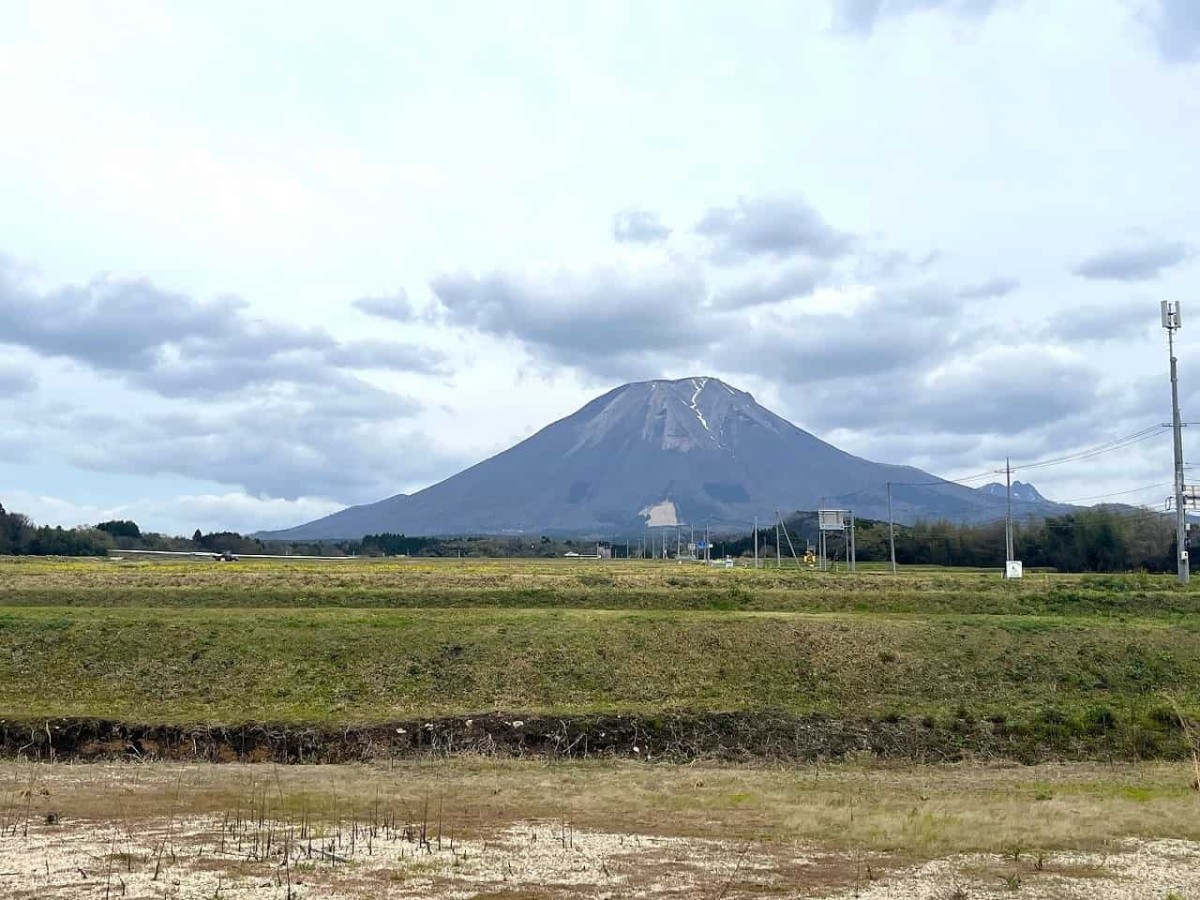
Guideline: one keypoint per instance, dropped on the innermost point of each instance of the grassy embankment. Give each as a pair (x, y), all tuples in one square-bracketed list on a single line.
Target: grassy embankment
[(335, 643)]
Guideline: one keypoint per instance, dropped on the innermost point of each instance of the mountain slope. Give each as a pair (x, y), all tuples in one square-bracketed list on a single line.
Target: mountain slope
[(659, 453)]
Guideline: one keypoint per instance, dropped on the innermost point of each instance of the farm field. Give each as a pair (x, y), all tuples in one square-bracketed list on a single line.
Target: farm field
[(553, 729), (582, 584)]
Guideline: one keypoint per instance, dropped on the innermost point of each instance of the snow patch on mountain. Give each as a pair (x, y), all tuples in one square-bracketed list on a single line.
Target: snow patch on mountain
[(700, 383)]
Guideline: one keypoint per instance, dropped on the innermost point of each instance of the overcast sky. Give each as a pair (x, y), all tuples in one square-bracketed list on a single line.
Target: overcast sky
[(261, 261)]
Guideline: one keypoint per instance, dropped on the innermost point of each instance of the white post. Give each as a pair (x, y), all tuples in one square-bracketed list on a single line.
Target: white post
[(891, 529), (1008, 532)]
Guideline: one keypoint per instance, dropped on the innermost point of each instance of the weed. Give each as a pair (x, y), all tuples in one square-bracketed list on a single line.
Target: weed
[(1014, 851)]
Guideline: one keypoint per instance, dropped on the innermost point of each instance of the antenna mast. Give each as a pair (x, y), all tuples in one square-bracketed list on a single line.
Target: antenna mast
[(1172, 321)]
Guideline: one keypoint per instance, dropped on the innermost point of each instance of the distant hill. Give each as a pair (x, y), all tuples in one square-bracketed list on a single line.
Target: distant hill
[(689, 451)]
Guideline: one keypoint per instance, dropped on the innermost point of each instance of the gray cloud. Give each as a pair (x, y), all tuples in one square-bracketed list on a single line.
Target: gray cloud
[(1010, 392), (1023, 392), (828, 348), (1101, 323), (861, 16), (113, 325), (904, 330), (1175, 25), (985, 290), (602, 322), (396, 307), (15, 380), (273, 408), (176, 345), (345, 440), (616, 324), (796, 281), (376, 354), (318, 446), (894, 263), (1134, 263), (639, 226), (776, 227)]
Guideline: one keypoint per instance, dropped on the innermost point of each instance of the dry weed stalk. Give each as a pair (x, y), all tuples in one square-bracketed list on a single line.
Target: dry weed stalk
[(1191, 736)]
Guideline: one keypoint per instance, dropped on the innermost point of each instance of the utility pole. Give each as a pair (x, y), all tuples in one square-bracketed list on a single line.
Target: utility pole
[(778, 555), (707, 545), (852, 546), (1008, 533), (756, 542), (891, 529), (1171, 321)]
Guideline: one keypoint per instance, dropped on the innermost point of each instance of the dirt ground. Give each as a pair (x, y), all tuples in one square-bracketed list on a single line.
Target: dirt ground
[(204, 858), (466, 829)]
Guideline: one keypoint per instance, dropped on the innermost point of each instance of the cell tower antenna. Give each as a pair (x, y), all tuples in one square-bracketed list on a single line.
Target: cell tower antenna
[(1172, 321)]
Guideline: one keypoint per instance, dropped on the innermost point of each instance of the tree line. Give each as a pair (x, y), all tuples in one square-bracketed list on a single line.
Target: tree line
[(19, 536), (1099, 539)]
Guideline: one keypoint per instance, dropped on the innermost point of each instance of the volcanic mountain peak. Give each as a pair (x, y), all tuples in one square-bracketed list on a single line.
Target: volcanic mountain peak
[(691, 450), (683, 415)]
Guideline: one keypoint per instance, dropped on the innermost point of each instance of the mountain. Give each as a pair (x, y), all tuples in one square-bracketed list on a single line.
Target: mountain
[(659, 452), (1025, 493)]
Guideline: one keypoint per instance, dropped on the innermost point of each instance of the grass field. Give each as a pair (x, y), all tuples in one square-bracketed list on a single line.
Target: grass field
[(1053, 657), (584, 584)]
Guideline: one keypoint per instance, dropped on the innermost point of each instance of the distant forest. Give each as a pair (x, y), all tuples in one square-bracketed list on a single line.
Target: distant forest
[(1102, 539)]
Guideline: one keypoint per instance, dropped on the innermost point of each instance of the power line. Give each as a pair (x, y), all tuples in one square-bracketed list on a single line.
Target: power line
[(1109, 446), (1136, 490), (1117, 444), (990, 473), (1131, 514)]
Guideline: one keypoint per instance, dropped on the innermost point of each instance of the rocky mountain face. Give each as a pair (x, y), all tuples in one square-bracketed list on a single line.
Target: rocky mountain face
[(1021, 492), (684, 452)]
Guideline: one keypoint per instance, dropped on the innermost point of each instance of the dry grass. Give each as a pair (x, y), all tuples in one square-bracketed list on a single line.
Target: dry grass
[(922, 811), (471, 827), (595, 584)]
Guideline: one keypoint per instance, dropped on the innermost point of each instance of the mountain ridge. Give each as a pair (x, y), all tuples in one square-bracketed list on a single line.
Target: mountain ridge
[(659, 452)]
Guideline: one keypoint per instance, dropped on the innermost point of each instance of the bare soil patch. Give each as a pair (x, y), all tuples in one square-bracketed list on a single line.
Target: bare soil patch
[(465, 828), (209, 857)]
